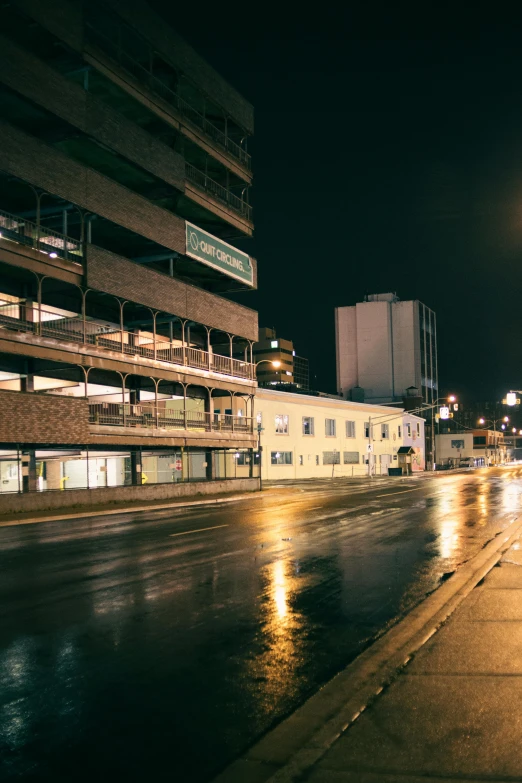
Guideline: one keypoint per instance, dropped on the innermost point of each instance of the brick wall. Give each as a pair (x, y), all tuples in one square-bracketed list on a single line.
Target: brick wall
[(116, 275), (38, 418), (26, 157), (35, 80), (63, 18), (175, 50)]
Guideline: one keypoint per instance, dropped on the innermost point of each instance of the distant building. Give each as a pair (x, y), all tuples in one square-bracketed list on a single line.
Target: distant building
[(477, 447), (469, 413), (291, 370), (383, 347)]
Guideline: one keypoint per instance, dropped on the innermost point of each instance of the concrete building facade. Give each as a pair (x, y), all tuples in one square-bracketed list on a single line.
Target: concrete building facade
[(304, 436), (124, 181), (383, 347)]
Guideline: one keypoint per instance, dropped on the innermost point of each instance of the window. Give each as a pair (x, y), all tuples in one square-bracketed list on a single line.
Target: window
[(281, 457), (385, 431), (300, 459), (351, 457), (242, 458), (418, 428), (317, 459), (366, 429), (479, 440), (281, 424), (408, 430), (331, 457), (273, 343), (329, 428), (350, 429), (399, 431), (308, 425)]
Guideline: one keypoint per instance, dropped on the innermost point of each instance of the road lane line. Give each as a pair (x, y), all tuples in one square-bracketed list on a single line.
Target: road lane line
[(402, 492), (200, 530)]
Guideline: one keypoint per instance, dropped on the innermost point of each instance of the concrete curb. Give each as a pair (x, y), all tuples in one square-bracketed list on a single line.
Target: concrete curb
[(121, 510), (289, 750)]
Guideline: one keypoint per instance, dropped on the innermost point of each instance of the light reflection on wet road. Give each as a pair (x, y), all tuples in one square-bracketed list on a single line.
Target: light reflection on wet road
[(129, 651)]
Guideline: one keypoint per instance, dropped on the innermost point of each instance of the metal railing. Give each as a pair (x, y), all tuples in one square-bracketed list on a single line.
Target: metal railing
[(149, 416), (24, 232), (219, 192), (28, 317), (155, 84)]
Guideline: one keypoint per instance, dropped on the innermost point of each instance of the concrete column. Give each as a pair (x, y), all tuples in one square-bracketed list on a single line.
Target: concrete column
[(29, 481), (210, 465), (53, 471), (135, 468), (27, 383)]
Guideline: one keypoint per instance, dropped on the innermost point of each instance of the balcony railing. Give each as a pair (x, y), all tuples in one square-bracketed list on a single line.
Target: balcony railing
[(40, 238), (28, 318), (149, 416), (219, 192), (155, 84)]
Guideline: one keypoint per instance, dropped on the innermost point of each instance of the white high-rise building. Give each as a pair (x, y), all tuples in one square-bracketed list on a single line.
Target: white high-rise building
[(384, 347)]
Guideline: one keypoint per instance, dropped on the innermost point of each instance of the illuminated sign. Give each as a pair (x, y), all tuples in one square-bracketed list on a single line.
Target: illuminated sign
[(444, 412), (511, 398), (220, 255)]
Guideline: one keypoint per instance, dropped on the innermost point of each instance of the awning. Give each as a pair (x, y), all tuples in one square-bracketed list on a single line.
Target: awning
[(406, 450)]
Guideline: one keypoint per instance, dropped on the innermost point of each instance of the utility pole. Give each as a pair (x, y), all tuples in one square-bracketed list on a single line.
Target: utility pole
[(260, 450)]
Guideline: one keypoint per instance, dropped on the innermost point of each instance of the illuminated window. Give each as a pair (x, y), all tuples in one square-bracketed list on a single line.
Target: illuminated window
[(281, 424), (308, 425), (274, 343), (281, 457)]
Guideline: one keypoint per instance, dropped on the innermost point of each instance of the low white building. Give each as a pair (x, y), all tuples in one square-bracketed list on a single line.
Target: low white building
[(475, 447), (303, 436)]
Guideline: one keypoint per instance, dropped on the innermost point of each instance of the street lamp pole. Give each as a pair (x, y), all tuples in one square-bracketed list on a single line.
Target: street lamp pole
[(276, 363), (390, 417), (483, 421)]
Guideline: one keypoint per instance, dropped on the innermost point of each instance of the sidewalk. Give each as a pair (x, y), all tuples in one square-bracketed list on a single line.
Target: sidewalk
[(455, 711), (110, 509), (438, 698)]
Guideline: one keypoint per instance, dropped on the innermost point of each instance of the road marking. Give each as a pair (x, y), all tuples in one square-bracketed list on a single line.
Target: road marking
[(200, 530), (402, 492)]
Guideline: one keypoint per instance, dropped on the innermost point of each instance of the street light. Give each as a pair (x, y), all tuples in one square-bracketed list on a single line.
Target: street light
[(504, 419), (451, 398), (275, 363)]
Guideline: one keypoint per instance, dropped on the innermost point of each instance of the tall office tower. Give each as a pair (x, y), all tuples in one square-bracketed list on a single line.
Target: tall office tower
[(384, 347)]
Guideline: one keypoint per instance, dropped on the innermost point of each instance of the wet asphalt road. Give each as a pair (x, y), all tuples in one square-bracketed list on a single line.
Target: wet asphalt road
[(155, 646)]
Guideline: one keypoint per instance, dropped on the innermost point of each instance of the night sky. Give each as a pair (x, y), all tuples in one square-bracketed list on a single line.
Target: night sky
[(387, 157)]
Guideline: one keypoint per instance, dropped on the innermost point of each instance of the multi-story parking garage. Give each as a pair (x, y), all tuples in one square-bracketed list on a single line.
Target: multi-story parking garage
[(124, 182)]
